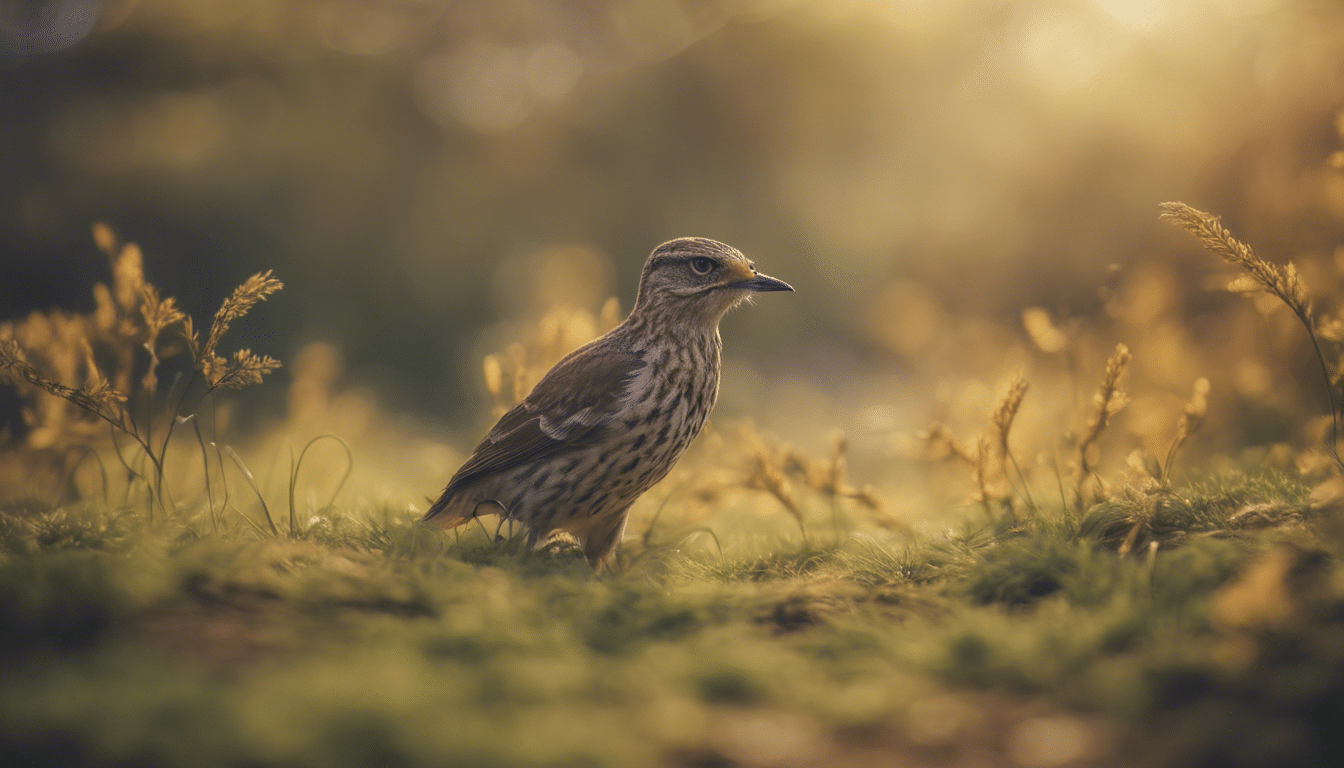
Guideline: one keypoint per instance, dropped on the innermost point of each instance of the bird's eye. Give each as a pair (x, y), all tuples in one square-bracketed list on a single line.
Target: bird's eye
[(702, 265)]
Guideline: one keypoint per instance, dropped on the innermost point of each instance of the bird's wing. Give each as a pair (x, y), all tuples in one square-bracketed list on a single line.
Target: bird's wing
[(569, 407)]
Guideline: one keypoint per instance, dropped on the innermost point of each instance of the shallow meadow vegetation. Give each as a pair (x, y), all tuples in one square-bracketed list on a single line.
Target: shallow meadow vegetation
[(167, 598), (1033, 470)]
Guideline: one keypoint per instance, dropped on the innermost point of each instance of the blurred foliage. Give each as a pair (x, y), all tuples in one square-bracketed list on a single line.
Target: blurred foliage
[(924, 172), (965, 194)]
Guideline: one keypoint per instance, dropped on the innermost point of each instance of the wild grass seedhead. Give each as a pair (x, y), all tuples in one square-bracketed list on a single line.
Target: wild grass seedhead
[(766, 473), (98, 399), (128, 277), (51, 358), (245, 367), (610, 315), (104, 238), (1280, 281), (939, 443), (797, 480), (494, 376), (1192, 418), (511, 373), (159, 314), (1006, 411), (1109, 398), (1002, 420), (1108, 401), (830, 478)]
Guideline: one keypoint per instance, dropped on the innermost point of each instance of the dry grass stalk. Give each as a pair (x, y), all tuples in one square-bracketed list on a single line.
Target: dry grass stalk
[(1108, 401), (98, 397), (1191, 420), (1002, 419), (939, 443), (830, 477), (118, 317), (979, 470), (246, 368), (494, 375), (104, 237), (767, 474), (778, 468), (1006, 412), (511, 374), (51, 359), (1283, 282), (1280, 281), (159, 314), (57, 349), (610, 315), (836, 481)]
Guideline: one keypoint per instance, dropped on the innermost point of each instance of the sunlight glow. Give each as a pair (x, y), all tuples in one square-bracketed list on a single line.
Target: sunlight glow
[(1062, 50), (1140, 14)]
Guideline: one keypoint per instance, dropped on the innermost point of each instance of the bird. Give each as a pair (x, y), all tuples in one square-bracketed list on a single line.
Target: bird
[(611, 419)]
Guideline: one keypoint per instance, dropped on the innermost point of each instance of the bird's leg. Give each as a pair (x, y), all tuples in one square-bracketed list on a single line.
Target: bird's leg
[(599, 546), (477, 520), (503, 515)]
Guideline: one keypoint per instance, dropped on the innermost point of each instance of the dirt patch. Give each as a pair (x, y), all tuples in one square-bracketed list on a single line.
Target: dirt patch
[(227, 635)]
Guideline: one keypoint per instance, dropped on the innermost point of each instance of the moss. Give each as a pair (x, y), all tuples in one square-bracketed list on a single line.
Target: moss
[(370, 640)]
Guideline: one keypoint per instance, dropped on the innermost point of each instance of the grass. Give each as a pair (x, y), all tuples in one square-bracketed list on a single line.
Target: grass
[(372, 640), (1129, 621)]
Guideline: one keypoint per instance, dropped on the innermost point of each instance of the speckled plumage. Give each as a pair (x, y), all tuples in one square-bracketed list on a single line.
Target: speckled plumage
[(612, 418)]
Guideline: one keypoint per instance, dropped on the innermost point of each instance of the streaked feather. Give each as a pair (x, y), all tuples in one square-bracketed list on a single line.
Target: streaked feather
[(569, 408)]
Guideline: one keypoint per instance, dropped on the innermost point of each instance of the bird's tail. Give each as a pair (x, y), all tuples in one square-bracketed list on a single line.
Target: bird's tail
[(447, 512)]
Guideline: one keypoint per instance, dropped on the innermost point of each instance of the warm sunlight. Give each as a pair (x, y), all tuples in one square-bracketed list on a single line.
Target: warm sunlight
[(980, 406)]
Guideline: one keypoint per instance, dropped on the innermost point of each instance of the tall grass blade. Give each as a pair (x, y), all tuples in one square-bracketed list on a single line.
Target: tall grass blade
[(295, 467), (205, 467), (252, 481), (70, 475)]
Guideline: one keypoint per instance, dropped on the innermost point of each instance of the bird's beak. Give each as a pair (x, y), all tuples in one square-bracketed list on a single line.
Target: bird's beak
[(761, 284)]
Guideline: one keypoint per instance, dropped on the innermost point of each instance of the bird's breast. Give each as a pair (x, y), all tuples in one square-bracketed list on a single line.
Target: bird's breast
[(673, 371), (670, 398)]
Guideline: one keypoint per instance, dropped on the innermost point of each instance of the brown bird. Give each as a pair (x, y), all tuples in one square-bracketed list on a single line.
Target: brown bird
[(611, 418)]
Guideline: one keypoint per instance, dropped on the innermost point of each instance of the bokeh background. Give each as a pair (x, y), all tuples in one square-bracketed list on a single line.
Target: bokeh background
[(430, 179)]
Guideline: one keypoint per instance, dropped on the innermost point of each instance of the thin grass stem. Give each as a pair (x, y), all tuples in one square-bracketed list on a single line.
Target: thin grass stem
[(247, 474), (205, 467), (296, 467), (70, 475)]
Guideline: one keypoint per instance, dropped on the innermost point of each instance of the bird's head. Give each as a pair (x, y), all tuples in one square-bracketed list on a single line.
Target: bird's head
[(698, 280)]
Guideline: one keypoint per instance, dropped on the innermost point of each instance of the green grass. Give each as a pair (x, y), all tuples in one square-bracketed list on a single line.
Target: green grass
[(370, 640)]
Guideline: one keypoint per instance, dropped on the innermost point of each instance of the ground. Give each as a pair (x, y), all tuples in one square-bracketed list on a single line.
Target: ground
[(1027, 639)]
